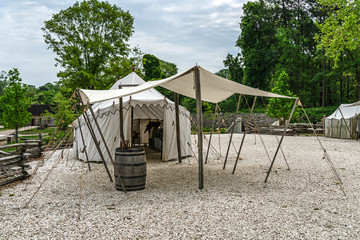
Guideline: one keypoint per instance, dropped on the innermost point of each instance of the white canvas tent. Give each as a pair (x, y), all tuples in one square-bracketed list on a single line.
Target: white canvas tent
[(196, 83), (138, 110), (345, 118)]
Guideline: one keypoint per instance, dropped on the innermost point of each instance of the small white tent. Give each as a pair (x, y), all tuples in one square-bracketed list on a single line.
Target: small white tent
[(345, 118), (138, 111)]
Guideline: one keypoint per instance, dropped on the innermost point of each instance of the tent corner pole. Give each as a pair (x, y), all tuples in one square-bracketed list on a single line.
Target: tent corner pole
[(93, 136), (177, 119), (282, 137), (200, 126)]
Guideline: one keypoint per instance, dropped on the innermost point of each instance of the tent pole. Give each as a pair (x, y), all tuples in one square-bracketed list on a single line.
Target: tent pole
[(342, 115), (82, 136), (107, 148), (200, 126), (121, 119), (232, 131), (92, 133), (177, 113), (212, 130), (282, 137), (219, 132), (242, 141)]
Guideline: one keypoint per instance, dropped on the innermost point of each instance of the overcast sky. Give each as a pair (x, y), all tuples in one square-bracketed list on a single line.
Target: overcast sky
[(182, 32)]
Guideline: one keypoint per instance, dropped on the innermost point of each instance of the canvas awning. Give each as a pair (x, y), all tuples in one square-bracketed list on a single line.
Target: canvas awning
[(213, 88)]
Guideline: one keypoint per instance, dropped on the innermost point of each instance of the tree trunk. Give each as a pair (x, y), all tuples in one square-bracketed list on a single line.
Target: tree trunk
[(16, 134)]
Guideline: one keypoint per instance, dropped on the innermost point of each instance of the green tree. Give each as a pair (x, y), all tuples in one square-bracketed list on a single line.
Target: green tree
[(152, 67), (340, 32), (280, 108), (88, 38), (257, 42), (13, 103), (4, 82)]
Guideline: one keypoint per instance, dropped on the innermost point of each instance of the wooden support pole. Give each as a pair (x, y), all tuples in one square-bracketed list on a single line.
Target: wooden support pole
[(212, 130), (200, 126), (242, 141), (232, 132), (121, 113), (92, 133), (281, 139), (82, 137), (107, 148), (177, 113)]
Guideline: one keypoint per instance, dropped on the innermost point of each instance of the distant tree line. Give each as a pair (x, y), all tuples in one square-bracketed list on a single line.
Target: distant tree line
[(316, 43), (304, 48)]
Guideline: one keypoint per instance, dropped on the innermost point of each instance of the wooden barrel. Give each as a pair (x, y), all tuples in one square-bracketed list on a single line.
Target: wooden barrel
[(131, 165)]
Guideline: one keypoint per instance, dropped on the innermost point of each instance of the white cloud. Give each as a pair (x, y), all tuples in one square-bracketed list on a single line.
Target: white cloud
[(183, 32)]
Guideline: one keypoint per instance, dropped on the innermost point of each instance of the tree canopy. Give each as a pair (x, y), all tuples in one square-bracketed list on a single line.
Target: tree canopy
[(13, 104), (90, 40)]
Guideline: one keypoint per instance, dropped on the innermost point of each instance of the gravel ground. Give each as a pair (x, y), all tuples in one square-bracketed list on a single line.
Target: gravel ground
[(302, 203)]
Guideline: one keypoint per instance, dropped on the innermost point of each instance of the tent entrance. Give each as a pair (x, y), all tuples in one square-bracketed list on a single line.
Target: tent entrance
[(147, 132)]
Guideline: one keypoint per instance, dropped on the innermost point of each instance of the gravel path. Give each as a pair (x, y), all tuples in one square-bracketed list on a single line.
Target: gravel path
[(303, 203)]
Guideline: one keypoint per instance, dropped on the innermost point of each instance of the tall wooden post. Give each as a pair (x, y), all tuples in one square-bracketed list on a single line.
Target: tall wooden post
[(200, 126), (177, 112), (282, 137), (93, 135), (121, 119)]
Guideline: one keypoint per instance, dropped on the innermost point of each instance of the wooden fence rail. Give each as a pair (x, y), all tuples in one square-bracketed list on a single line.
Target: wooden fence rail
[(14, 165)]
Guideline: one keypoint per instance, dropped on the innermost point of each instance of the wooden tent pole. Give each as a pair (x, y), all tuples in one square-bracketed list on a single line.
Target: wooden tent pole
[(242, 141), (282, 137), (232, 132), (121, 119), (177, 119), (200, 126), (219, 124), (212, 130), (107, 148), (93, 136), (82, 136)]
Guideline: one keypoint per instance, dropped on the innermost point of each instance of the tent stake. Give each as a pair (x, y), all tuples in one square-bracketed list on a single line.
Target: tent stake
[(92, 133), (232, 131), (282, 137), (212, 130), (242, 141), (200, 126), (177, 119), (107, 148), (82, 137)]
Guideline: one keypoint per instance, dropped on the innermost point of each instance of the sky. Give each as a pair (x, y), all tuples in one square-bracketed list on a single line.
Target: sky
[(183, 32)]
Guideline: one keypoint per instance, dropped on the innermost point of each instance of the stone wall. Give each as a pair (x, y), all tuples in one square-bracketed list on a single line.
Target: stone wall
[(261, 119)]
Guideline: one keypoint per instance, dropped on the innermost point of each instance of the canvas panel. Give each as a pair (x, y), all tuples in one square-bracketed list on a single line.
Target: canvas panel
[(213, 88)]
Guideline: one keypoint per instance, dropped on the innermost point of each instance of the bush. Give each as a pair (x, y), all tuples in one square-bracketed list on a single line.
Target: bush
[(315, 114)]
